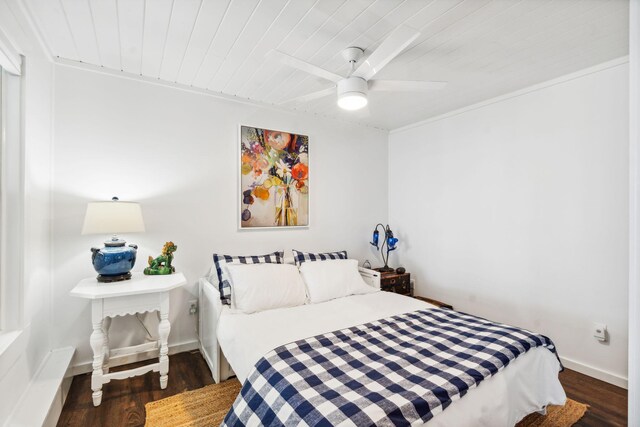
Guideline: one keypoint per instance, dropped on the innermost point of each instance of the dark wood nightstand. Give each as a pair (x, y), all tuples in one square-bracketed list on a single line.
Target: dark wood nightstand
[(434, 302), (398, 283)]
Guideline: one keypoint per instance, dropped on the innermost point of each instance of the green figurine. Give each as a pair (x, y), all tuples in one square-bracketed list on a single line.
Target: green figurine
[(162, 264)]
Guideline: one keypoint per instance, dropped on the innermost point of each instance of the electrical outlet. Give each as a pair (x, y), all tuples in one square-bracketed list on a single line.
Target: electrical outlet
[(600, 331), (193, 306)]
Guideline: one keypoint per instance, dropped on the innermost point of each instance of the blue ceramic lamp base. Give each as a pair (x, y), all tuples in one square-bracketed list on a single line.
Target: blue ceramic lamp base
[(114, 261)]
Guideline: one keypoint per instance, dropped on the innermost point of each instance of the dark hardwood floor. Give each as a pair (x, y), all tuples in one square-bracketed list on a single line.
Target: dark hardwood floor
[(608, 403), (123, 401)]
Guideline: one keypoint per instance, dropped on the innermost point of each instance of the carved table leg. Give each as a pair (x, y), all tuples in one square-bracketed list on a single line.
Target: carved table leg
[(106, 324), (164, 327), (97, 345)]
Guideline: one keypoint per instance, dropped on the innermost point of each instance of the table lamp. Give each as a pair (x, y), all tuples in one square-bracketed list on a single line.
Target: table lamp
[(115, 260), (389, 242)]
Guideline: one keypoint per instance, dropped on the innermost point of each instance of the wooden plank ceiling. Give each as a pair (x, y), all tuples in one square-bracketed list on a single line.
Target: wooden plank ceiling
[(484, 48)]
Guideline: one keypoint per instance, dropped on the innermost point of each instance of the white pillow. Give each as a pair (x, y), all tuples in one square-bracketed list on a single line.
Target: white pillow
[(259, 287), (332, 279)]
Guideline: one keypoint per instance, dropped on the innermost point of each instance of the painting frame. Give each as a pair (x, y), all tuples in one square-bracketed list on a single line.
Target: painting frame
[(239, 193)]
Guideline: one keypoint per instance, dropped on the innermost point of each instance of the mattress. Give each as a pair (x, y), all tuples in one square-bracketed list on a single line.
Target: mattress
[(527, 385)]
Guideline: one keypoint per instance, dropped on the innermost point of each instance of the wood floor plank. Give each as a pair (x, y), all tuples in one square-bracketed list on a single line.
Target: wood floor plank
[(123, 401), (608, 403)]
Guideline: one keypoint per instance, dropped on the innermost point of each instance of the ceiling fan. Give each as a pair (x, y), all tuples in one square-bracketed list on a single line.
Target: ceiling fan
[(352, 90)]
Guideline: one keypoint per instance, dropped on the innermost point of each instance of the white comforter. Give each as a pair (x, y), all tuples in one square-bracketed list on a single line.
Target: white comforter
[(527, 385)]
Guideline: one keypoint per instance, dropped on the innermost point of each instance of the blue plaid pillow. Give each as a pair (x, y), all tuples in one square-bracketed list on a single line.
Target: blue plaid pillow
[(299, 257), (224, 285)]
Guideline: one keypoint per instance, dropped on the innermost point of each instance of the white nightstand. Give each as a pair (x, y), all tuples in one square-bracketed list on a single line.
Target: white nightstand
[(140, 294)]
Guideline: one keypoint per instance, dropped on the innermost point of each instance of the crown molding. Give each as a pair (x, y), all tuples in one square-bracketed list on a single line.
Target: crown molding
[(192, 89), (520, 92)]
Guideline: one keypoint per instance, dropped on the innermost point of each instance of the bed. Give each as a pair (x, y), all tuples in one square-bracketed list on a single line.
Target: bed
[(232, 343)]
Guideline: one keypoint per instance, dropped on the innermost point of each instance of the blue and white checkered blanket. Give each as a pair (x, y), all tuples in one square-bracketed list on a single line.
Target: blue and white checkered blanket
[(400, 370)]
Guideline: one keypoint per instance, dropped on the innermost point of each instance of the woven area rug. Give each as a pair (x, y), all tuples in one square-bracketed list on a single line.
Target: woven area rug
[(207, 406), (560, 416)]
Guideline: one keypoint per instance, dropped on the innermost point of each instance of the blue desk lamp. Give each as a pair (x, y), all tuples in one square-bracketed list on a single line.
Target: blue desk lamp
[(389, 242)]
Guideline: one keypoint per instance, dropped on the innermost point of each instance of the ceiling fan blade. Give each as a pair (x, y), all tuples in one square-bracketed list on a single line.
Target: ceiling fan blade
[(391, 47), (405, 85), (306, 66), (311, 96)]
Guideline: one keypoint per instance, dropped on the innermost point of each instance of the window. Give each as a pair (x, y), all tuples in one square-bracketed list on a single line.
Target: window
[(11, 201)]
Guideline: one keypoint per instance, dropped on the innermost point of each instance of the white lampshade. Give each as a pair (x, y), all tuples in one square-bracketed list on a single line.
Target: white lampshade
[(113, 217)]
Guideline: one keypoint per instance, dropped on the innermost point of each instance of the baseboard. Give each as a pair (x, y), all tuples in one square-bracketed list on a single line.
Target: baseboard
[(84, 367), (596, 373)]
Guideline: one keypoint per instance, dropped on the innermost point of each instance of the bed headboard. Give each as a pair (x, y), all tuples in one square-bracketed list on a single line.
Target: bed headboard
[(370, 276)]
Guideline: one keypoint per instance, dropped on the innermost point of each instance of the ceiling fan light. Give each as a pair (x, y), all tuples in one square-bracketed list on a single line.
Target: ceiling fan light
[(352, 93), (352, 101)]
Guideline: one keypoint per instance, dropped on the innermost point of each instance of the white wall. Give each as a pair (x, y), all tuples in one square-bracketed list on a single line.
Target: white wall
[(176, 153), (517, 211), (20, 362)]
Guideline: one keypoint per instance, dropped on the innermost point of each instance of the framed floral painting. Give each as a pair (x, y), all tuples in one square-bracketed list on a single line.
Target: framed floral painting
[(274, 178)]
